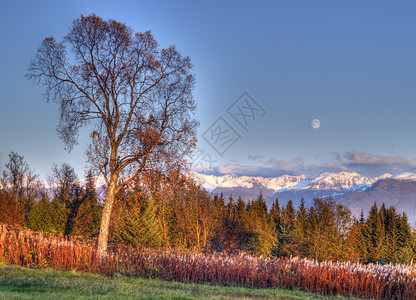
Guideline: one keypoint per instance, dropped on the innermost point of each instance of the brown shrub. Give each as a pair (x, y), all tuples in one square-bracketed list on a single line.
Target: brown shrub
[(29, 248)]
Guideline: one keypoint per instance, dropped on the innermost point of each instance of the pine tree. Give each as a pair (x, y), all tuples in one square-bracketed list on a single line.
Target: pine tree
[(87, 219), (48, 216), (274, 214), (230, 213), (240, 207), (259, 205), (391, 247), (139, 225), (220, 213), (285, 230), (230, 206), (262, 236), (405, 254), (300, 237), (363, 245), (230, 236), (362, 218), (328, 224), (375, 234), (322, 231), (312, 228), (289, 215), (242, 236), (353, 250), (383, 212)]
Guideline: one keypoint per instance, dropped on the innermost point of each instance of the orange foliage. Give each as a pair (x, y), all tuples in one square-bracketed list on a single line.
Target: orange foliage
[(10, 210), (33, 249)]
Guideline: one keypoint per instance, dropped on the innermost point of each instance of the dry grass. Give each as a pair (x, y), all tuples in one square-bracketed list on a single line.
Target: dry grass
[(33, 249)]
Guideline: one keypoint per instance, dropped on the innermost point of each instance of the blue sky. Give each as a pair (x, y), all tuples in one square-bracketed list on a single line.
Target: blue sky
[(350, 64)]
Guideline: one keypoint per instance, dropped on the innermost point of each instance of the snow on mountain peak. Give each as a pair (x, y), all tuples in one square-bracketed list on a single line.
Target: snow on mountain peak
[(340, 181), (405, 176), (325, 181), (211, 182)]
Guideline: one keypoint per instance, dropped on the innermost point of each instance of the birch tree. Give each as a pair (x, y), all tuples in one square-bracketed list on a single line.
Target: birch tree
[(136, 97)]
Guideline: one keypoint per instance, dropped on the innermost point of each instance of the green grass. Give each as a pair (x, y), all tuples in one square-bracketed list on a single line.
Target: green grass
[(22, 283)]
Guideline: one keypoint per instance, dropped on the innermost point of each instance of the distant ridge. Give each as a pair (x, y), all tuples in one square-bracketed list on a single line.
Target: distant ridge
[(326, 181), (348, 188)]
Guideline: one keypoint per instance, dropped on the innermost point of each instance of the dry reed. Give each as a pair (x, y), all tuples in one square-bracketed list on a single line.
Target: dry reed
[(33, 249)]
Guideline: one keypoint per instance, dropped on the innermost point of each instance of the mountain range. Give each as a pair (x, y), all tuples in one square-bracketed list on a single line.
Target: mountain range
[(347, 188)]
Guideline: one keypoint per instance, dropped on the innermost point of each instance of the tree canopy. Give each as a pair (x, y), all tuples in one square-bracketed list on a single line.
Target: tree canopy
[(135, 95)]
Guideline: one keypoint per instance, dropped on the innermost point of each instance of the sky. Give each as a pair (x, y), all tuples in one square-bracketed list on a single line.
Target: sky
[(264, 70)]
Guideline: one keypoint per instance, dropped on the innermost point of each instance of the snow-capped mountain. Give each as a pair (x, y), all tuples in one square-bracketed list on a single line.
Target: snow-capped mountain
[(211, 182), (405, 176), (348, 188), (349, 181), (344, 181)]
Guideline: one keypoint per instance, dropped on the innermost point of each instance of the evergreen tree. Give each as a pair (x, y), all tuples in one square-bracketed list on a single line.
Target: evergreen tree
[(230, 223), (300, 237), (220, 214), (285, 231), (322, 242), (391, 246), (363, 238), (241, 233), (375, 235), (362, 218), (274, 214), (139, 225), (354, 251), (383, 212), (327, 230), (230, 205), (404, 238), (259, 229), (289, 215), (259, 205), (312, 228), (240, 208), (87, 219), (48, 216)]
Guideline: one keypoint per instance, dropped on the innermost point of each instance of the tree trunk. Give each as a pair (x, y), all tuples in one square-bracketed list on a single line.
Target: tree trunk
[(105, 219)]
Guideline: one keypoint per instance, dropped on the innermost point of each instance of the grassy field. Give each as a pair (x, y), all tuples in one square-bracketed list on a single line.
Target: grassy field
[(22, 283)]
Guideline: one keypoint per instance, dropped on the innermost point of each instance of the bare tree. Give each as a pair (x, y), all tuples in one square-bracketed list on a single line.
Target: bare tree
[(21, 181), (14, 175), (63, 181), (137, 96)]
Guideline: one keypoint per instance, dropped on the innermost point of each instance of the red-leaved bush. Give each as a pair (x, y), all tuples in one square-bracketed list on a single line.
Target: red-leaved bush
[(34, 249)]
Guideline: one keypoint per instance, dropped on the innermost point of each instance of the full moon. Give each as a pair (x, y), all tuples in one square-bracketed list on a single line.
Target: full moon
[(315, 123)]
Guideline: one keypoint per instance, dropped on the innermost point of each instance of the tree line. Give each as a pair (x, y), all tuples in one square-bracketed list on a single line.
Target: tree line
[(63, 207), (172, 211)]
